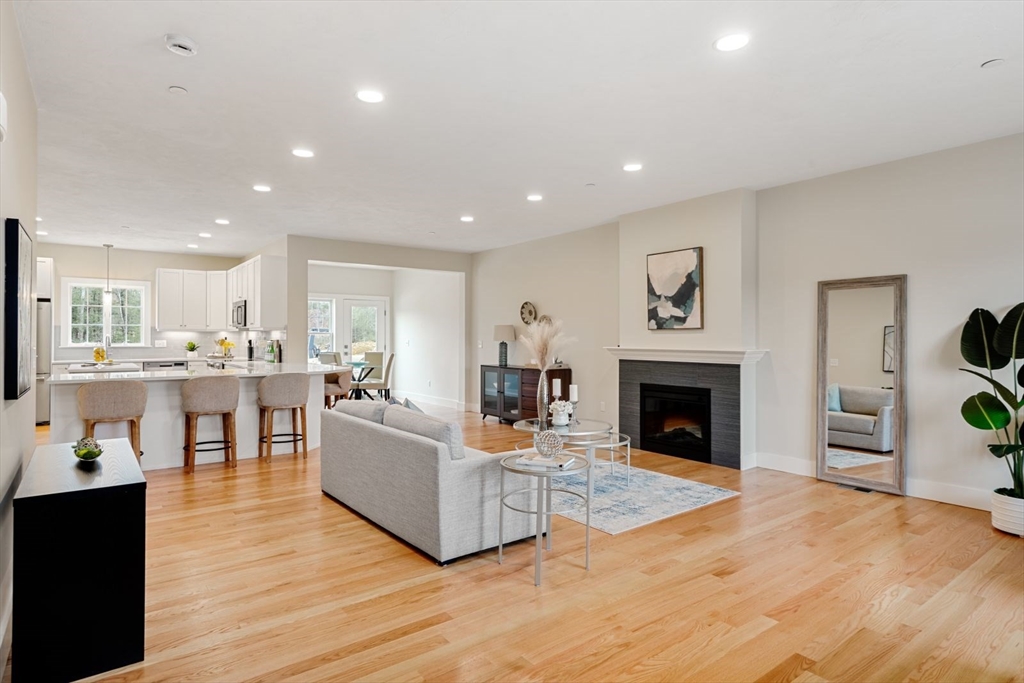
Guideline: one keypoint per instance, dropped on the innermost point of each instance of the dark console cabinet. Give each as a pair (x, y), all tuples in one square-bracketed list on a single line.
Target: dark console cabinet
[(79, 564), (510, 393)]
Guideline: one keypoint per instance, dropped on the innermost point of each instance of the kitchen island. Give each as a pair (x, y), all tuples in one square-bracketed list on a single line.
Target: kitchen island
[(163, 424)]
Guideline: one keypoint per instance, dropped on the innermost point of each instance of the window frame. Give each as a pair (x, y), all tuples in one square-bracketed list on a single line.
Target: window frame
[(67, 283), (334, 320)]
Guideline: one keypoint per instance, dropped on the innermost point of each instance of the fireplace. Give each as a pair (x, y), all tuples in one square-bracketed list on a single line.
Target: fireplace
[(676, 420)]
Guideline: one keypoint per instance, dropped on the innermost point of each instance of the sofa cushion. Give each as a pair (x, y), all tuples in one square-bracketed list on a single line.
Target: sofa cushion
[(864, 400), (367, 410), (851, 422), (448, 433)]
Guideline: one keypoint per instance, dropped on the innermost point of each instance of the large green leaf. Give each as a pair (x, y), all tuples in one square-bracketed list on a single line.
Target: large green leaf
[(1001, 450), (985, 411), (976, 341), (1009, 338), (1003, 392)]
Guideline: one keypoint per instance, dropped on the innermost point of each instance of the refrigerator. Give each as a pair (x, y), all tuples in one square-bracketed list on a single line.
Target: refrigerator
[(44, 350)]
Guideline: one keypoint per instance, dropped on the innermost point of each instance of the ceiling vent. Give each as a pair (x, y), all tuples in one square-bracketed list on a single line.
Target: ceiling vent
[(181, 45)]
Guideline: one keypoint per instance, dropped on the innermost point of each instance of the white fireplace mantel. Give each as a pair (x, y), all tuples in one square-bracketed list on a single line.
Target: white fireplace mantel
[(717, 356)]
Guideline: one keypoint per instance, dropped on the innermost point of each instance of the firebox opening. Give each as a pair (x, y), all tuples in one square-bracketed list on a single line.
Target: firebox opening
[(676, 421)]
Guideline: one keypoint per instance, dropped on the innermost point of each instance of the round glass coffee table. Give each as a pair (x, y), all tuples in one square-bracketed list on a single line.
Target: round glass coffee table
[(543, 510), (584, 433)]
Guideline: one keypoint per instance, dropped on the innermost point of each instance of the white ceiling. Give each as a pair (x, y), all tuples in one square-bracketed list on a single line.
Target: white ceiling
[(486, 102)]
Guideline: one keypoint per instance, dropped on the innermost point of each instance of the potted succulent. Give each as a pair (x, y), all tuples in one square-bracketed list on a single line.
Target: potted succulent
[(990, 344), (191, 349)]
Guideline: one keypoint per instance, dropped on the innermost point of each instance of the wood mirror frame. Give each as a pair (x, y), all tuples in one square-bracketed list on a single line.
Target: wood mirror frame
[(899, 288)]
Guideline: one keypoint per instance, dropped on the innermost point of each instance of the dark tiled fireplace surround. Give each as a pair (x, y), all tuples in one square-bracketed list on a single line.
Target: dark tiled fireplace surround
[(722, 380)]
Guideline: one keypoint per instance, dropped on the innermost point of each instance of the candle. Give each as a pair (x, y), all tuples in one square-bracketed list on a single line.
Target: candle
[(574, 393), (556, 387)]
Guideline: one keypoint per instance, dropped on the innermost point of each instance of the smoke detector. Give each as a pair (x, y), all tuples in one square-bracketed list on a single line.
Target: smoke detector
[(181, 45)]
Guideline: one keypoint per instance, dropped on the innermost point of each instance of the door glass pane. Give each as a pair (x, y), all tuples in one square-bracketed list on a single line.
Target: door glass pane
[(364, 330), (490, 389), (511, 390)]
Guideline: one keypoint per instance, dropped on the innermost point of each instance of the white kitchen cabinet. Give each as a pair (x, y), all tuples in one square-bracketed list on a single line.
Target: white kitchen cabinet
[(216, 300), (261, 283), (44, 277), (181, 299), (194, 365)]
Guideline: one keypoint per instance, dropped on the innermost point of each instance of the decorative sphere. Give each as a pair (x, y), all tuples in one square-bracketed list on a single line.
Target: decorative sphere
[(548, 443)]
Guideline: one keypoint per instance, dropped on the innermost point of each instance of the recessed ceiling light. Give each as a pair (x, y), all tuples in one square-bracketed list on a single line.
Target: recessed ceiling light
[(431, 233), (590, 185), (303, 153), (42, 232), (222, 221), (177, 90), (261, 188), (534, 197), (466, 219), (632, 167), (126, 227), (732, 42), (991, 63), (370, 96), (205, 234), (38, 219), (192, 246), (181, 45)]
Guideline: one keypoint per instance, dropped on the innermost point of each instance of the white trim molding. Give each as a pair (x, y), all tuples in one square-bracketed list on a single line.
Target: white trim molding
[(718, 357)]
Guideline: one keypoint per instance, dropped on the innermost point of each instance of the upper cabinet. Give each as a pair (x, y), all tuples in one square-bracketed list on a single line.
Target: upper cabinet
[(190, 300), (260, 282), (44, 278)]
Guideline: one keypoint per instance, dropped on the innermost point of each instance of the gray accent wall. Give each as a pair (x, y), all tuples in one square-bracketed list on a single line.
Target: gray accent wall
[(722, 380)]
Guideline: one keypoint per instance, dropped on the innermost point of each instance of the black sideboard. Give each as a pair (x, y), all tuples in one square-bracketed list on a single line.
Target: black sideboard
[(79, 564)]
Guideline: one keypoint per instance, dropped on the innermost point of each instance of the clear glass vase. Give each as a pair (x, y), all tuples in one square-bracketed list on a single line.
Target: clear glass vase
[(543, 399)]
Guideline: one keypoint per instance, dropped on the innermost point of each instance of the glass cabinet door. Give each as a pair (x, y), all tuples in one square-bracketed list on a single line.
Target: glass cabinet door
[(489, 391), (510, 389)]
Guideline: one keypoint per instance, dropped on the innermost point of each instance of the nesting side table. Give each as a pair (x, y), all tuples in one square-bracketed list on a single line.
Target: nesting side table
[(543, 509)]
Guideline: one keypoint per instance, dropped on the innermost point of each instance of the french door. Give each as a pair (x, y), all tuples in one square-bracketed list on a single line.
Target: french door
[(363, 327)]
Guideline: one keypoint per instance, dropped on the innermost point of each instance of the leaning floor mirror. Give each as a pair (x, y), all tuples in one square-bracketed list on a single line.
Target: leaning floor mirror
[(861, 407)]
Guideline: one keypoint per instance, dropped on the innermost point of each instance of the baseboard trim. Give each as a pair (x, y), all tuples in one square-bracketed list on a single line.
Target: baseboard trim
[(472, 407), (432, 400), (964, 496), (5, 627), (786, 463)]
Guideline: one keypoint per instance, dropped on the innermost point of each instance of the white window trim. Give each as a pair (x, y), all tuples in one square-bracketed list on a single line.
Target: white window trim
[(66, 283)]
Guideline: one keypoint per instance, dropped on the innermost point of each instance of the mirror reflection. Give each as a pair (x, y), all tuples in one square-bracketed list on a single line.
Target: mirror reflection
[(860, 375)]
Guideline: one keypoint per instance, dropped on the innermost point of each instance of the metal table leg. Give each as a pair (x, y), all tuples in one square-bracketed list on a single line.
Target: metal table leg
[(549, 518), (592, 459), (501, 514), (540, 529), (590, 488)]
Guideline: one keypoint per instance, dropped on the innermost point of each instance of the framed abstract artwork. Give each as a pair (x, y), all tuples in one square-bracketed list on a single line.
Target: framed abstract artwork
[(887, 348), (675, 290), (18, 262)]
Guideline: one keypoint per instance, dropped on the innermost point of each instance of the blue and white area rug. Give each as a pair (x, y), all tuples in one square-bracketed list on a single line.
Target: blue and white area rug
[(650, 497), (839, 459)]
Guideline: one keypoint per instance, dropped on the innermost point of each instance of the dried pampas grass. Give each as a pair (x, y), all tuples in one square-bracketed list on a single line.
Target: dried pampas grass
[(545, 340)]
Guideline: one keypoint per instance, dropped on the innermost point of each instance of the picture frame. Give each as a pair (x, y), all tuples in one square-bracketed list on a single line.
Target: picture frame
[(888, 346), (18, 261), (675, 289)]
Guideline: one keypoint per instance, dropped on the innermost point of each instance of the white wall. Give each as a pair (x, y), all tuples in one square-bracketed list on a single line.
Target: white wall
[(338, 279), (856, 321), (953, 221), (572, 277), (17, 200), (724, 225), (428, 337)]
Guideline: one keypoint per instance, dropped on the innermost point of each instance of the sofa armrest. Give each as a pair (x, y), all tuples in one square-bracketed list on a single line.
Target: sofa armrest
[(883, 428)]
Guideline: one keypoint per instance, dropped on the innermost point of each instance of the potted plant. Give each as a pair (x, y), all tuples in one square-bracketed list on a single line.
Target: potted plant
[(191, 349), (990, 344)]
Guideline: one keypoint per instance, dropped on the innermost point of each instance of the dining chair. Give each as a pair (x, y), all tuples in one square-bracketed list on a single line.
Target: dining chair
[(374, 377), (382, 383)]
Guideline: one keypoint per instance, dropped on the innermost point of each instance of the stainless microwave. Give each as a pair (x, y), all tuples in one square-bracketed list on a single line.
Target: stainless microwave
[(238, 317)]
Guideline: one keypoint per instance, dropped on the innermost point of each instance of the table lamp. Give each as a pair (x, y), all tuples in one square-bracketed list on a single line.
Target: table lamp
[(504, 334)]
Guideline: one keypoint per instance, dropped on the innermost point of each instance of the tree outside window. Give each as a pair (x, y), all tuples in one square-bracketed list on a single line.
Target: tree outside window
[(321, 327), (92, 320)]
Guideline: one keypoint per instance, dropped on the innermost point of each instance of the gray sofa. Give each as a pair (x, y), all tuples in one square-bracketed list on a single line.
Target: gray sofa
[(865, 420), (410, 474)]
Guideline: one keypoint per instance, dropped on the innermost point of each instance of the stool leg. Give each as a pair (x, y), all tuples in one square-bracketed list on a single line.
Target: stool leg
[(270, 433), (305, 451), (225, 433), (194, 419), (263, 431), (188, 438), (234, 440), (135, 429), (295, 430)]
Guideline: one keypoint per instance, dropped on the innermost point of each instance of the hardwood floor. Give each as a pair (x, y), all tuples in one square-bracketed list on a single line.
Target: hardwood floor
[(254, 575)]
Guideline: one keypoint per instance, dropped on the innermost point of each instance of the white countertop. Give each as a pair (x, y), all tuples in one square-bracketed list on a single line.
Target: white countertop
[(240, 369), (116, 357)]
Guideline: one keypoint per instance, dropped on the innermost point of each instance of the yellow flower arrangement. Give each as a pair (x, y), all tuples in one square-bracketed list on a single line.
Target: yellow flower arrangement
[(225, 346)]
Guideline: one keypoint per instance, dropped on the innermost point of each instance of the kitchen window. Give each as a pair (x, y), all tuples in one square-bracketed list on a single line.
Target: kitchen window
[(88, 316), (321, 327)]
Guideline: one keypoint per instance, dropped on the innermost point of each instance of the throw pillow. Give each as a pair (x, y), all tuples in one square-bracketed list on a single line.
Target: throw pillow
[(394, 401), (412, 406), (436, 429), (834, 406)]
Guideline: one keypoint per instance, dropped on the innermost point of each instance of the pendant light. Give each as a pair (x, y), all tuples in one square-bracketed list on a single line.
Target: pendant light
[(108, 294)]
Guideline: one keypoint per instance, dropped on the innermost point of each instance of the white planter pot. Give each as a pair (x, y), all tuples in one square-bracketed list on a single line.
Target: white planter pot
[(1008, 514), (560, 418), (191, 354)]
